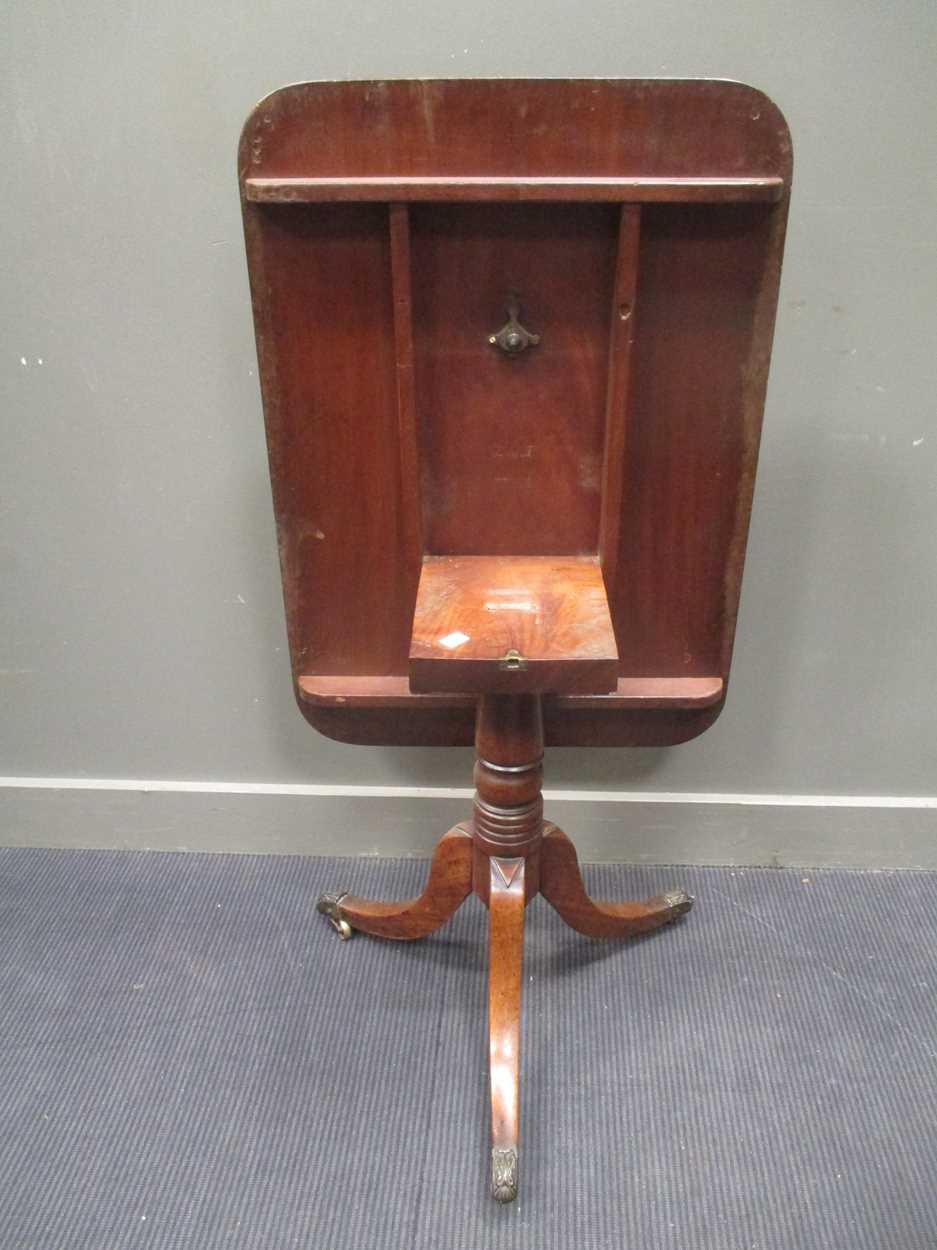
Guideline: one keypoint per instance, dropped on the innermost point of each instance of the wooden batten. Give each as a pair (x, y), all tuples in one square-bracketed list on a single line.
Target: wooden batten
[(630, 694), (623, 318), (411, 525), (750, 190)]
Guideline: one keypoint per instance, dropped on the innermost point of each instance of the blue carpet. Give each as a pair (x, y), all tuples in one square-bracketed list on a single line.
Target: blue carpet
[(190, 1058)]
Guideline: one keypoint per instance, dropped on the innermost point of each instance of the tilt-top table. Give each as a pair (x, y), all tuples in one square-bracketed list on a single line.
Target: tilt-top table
[(514, 341)]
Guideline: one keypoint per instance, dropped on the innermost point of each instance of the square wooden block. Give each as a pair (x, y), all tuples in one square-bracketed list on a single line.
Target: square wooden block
[(510, 624)]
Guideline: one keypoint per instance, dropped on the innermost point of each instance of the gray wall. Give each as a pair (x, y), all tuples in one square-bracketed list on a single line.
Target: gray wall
[(142, 626)]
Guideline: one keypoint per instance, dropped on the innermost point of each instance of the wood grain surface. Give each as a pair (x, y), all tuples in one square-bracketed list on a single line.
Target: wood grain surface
[(642, 225), (550, 613), (511, 446), (505, 963)]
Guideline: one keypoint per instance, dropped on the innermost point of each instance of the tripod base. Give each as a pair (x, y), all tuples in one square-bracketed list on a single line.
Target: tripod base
[(506, 854)]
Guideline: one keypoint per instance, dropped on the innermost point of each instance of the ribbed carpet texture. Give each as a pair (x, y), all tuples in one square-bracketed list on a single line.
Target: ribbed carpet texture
[(189, 1057)]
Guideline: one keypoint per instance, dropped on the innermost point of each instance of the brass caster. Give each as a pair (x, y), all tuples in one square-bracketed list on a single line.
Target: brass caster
[(504, 1175), (330, 906), (679, 902)]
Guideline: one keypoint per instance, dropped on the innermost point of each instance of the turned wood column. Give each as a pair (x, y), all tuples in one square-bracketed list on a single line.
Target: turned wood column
[(507, 818)]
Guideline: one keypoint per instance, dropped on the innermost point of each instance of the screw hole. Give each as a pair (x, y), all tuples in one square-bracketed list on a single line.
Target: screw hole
[(624, 311)]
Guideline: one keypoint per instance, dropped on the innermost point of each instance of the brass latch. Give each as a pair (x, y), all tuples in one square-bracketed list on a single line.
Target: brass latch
[(512, 662)]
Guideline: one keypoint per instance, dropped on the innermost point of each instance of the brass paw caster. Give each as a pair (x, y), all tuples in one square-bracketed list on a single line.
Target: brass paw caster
[(679, 902), (330, 906), (504, 1175)]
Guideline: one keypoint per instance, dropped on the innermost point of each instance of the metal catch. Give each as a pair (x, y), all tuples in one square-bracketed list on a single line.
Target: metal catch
[(512, 662), (512, 338)]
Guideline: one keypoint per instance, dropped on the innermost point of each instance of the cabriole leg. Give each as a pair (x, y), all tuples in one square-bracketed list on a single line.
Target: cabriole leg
[(505, 957), (561, 885), (450, 881)]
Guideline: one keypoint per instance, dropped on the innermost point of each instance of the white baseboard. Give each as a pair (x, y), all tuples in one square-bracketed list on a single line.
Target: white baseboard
[(608, 826)]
